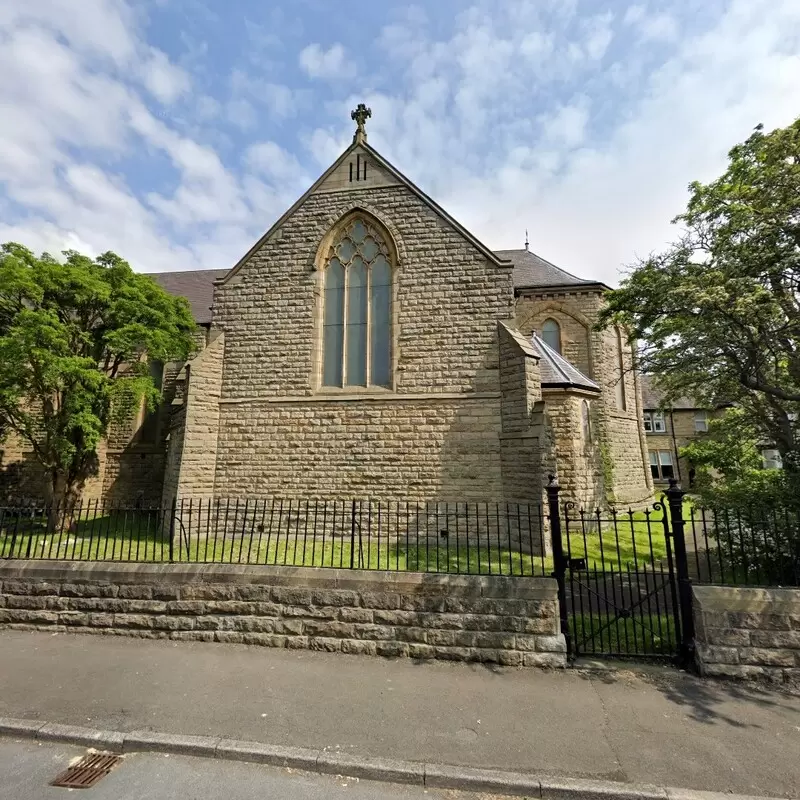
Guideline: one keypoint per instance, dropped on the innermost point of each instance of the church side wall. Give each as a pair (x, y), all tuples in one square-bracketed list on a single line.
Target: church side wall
[(392, 449), (435, 434), (621, 466)]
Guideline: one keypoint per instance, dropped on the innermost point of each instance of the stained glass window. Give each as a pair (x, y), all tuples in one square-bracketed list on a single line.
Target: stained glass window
[(357, 318)]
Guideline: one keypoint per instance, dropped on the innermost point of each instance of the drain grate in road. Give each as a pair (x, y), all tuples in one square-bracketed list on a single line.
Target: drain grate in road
[(87, 772)]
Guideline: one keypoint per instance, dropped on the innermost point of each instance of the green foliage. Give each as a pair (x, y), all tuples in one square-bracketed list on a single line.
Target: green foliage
[(729, 467), (718, 313), (74, 339), (730, 448)]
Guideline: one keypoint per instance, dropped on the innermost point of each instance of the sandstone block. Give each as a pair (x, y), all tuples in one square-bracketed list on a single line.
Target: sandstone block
[(291, 596), (135, 592), (395, 617), (358, 647), (391, 649), (267, 609), (26, 601), (373, 632), (547, 660), (380, 600), (422, 603), (254, 624), (785, 639), (229, 637), (421, 651), (101, 620), (728, 637), (713, 654), (73, 618), (311, 612), (341, 630), (292, 627), (325, 644), (186, 607), (442, 638), (264, 639), (358, 615), (334, 598), (765, 657), (132, 621), (550, 644), (509, 658), (207, 592), (297, 642)]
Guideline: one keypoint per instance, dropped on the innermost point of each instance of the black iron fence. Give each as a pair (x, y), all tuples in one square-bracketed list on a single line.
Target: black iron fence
[(743, 547), (457, 537)]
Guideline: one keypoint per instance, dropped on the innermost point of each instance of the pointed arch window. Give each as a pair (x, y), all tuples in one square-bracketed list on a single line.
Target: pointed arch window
[(551, 333), (357, 314)]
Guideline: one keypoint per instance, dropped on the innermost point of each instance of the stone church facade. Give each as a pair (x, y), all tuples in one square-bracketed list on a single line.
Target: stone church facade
[(369, 346)]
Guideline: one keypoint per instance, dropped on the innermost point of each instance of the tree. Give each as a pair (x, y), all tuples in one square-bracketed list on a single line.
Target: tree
[(718, 313), (74, 342)]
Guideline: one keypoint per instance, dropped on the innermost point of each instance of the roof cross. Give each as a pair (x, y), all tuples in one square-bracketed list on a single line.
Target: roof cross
[(360, 116)]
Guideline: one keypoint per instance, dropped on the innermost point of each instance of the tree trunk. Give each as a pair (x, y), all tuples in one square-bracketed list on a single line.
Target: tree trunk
[(64, 495)]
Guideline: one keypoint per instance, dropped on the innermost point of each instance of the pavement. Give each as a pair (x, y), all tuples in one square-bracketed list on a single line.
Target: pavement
[(653, 726), (28, 768)]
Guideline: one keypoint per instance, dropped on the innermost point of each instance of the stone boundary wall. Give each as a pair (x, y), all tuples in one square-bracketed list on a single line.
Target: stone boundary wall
[(508, 621), (747, 632)]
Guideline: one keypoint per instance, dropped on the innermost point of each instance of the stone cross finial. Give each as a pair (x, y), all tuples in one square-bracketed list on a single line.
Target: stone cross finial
[(360, 116)]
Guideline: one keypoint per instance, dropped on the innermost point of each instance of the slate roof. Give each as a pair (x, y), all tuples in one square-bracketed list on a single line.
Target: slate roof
[(197, 286), (531, 270), (653, 400), (557, 372)]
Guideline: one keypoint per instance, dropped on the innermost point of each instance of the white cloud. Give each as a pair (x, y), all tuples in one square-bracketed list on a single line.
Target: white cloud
[(163, 79), (531, 114), (332, 63)]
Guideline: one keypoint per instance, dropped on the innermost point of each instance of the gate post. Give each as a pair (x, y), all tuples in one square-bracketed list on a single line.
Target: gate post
[(675, 497), (559, 559)]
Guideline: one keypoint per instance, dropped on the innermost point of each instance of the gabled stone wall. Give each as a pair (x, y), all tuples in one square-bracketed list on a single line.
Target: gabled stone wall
[(434, 434)]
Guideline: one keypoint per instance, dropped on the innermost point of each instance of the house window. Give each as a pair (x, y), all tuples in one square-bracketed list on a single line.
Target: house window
[(700, 421), (551, 333), (654, 422), (356, 325), (661, 465), (772, 459)]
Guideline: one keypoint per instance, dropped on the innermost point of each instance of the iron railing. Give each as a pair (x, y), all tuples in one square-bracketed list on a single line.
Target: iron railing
[(743, 547), (446, 537)]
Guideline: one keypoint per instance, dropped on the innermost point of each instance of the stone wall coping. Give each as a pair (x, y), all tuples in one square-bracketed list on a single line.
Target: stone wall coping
[(385, 396), (529, 588), (747, 599)]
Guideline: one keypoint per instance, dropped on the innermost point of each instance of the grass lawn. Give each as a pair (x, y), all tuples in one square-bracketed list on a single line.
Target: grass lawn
[(602, 635), (631, 538)]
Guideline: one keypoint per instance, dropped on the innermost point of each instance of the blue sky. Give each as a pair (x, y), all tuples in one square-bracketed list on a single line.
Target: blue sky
[(176, 131)]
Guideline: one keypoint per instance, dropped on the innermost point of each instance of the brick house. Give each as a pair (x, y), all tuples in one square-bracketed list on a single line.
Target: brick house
[(369, 345)]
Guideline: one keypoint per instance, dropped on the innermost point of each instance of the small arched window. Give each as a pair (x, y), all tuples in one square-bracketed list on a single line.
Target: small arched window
[(356, 320), (551, 333), (621, 397), (586, 420)]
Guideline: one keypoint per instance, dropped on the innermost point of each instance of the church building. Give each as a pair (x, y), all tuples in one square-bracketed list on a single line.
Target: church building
[(368, 345)]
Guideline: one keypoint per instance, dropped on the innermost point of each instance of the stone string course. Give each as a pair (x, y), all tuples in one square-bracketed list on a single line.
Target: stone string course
[(748, 633), (513, 622)]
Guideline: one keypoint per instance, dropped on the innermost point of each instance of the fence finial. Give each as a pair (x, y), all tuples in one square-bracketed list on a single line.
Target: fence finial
[(552, 480)]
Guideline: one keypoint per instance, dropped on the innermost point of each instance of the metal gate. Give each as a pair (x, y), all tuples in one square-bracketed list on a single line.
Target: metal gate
[(623, 579)]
